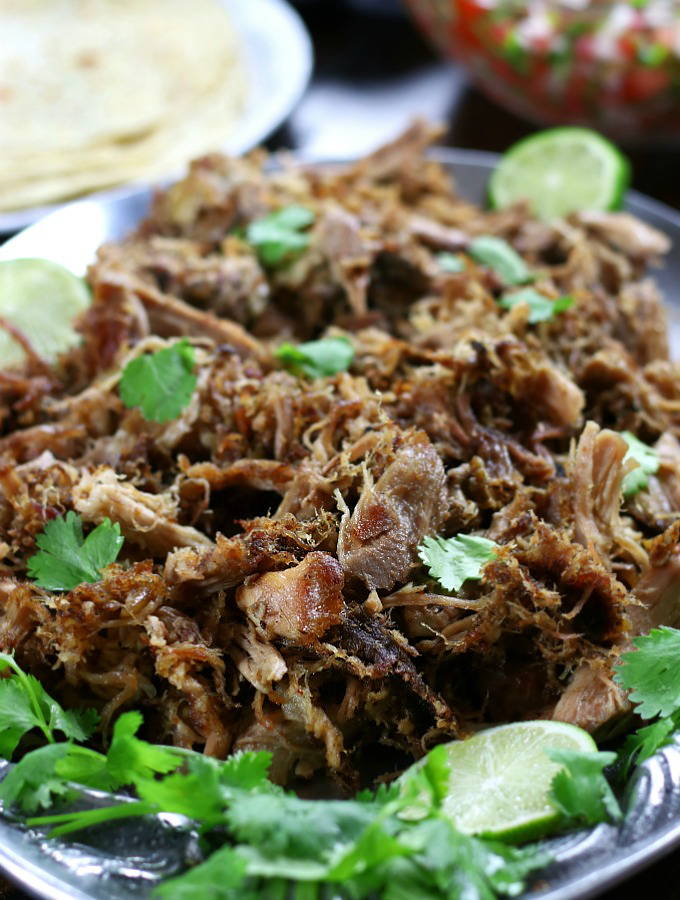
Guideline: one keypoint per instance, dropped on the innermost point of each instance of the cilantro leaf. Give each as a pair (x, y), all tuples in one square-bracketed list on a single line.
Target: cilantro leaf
[(453, 561), (160, 384), (648, 464), (194, 793), (130, 759), (75, 724), (87, 767), (649, 673), (498, 255), (290, 826), (435, 771), (541, 308), (17, 716), (448, 863), (32, 782), (450, 263), (279, 237), (66, 559), (222, 875), (25, 705), (207, 785), (317, 358), (580, 791), (643, 743)]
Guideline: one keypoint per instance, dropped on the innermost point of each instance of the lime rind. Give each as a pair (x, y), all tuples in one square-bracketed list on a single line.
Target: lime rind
[(41, 299), (560, 171)]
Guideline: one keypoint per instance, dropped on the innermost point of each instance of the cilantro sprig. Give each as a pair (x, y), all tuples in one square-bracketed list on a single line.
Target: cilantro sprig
[(453, 561), (650, 673), (66, 559), (25, 706), (280, 236), (161, 383), (317, 359), (580, 790), (648, 464), (541, 308)]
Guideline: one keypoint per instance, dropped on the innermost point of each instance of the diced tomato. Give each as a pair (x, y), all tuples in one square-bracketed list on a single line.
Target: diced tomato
[(570, 67), (644, 83), (584, 48), (628, 46)]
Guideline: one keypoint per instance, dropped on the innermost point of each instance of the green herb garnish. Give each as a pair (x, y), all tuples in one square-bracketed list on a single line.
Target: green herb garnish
[(272, 839), (580, 791), (453, 561), (317, 358), (541, 308), (50, 772), (450, 263), (67, 559), (498, 255), (644, 743), (160, 384), (648, 464), (396, 843), (280, 236), (650, 673), (26, 706)]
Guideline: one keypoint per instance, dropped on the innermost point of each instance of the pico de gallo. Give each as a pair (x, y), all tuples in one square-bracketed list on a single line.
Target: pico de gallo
[(612, 65)]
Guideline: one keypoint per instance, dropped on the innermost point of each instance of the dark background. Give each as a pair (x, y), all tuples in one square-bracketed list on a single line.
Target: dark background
[(373, 74)]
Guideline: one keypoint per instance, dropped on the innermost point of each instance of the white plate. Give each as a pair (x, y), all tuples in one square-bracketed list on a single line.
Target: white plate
[(278, 59)]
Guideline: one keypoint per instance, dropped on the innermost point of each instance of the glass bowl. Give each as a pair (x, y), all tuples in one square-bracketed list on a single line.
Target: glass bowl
[(612, 66)]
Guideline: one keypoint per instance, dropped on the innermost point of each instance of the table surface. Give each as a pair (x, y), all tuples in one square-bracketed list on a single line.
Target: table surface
[(374, 74)]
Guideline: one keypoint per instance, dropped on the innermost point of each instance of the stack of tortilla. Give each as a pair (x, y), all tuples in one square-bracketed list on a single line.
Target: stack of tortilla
[(99, 92)]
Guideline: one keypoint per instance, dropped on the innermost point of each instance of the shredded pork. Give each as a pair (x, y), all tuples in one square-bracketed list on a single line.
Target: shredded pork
[(270, 594)]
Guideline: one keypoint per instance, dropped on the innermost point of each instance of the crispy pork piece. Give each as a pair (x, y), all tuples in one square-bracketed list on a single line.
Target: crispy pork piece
[(656, 596), (262, 474), (592, 700), (626, 234), (378, 540), (659, 506), (298, 604), (596, 474), (169, 316), (148, 520), (366, 647), (226, 280)]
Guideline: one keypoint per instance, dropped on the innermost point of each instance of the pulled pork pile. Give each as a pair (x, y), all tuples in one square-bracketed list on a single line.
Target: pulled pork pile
[(269, 594)]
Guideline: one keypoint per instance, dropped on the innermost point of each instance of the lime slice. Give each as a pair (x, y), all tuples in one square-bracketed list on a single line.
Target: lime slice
[(500, 778), (41, 300), (561, 171)]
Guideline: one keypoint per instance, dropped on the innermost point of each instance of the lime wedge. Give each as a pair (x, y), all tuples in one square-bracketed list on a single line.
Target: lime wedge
[(500, 778), (41, 300), (560, 171)]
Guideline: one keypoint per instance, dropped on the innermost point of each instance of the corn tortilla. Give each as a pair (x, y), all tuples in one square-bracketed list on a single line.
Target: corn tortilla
[(98, 92)]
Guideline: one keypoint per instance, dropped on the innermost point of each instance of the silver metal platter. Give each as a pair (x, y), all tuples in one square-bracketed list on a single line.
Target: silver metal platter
[(124, 861), (277, 55)]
